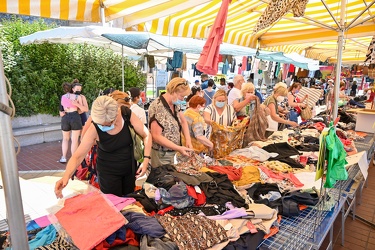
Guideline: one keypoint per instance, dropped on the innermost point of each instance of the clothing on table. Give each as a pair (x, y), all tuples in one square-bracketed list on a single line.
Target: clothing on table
[(139, 112), (183, 230), (143, 224), (115, 162), (151, 243), (208, 95), (285, 151), (250, 174), (196, 126), (81, 210)]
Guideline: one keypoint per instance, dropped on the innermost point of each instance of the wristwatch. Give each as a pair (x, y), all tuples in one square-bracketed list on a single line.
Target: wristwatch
[(147, 156)]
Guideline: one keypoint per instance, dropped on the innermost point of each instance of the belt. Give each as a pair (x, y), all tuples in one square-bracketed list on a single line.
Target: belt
[(168, 150)]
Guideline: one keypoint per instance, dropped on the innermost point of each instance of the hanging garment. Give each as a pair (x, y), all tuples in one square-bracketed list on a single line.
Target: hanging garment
[(244, 63), (184, 63), (249, 60), (225, 68), (278, 8), (233, 67), (370, 55), (177, 59), (271, 70), (151, 61)]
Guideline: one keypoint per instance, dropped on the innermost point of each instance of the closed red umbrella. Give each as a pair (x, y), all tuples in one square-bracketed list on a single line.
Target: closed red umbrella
[(209, 58)]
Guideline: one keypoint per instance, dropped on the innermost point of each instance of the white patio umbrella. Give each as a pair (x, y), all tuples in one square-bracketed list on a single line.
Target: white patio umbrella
[(87, 35)]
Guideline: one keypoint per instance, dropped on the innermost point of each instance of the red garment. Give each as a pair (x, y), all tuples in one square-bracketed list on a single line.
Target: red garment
[(130, 239), (291, 68), (209, 58), (89, 219), (200, 198), (281, 176), (234, 174), (244, 63)]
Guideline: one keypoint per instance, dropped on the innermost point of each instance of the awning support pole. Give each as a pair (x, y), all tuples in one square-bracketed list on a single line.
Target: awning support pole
[(339, 59), (9, 174), (122, 68), (359, 15)]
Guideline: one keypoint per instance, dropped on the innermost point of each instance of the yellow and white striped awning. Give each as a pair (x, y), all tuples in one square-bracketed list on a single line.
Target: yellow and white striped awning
[(193, 18), (90, 10), (289, 34)]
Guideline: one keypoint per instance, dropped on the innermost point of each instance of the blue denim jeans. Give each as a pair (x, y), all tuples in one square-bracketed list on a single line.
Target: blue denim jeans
[(293, 116)]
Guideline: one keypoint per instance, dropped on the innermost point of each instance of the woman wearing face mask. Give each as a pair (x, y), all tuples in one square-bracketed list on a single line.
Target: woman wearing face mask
[(219, 111), (294, 102), (197, 125), (135, 94), (278, 95), (72, 103), (246, 104), (115, 164), (167, 122), (77, 90)]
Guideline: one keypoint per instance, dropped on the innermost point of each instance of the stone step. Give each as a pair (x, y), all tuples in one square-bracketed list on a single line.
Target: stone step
[(36, 134)]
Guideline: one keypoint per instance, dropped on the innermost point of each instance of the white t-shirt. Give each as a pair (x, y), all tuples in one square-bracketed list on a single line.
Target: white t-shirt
[(234, 94), (139, 112)]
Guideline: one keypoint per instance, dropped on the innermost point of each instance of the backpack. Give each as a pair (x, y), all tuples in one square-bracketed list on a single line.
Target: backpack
[(138, 146)]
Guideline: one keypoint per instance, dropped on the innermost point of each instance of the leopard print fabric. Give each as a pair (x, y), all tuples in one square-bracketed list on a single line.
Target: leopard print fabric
[(276, 9), (192, 231), (370, 55)]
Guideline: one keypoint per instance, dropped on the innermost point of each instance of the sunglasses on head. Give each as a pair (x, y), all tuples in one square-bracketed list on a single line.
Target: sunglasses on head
[(185, 83), (126, 99)]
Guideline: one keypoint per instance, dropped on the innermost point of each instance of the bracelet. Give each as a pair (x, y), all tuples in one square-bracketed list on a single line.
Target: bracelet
[(147, 156)]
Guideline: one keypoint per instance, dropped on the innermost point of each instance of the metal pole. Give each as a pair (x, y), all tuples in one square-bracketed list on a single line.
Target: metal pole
[(122, 68), (339, 59), (102, 16), (9, 174)]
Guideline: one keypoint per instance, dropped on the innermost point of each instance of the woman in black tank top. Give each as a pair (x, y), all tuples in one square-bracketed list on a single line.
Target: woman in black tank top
[(116, 166)]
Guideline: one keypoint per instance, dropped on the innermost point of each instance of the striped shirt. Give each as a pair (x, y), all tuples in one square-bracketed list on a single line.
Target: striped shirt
[(226, 118)]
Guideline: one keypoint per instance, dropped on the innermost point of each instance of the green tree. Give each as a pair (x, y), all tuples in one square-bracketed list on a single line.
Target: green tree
[(37, 71)]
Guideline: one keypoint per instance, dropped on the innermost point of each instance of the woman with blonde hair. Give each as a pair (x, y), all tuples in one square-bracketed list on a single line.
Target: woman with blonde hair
[(219, 111), (246, 104), (278, 95), (116, 166), (167, 122)]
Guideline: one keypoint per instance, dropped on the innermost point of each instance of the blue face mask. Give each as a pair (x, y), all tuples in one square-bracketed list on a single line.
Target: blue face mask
[(220, 104), (179, 102), (105, 128), (140, 102)]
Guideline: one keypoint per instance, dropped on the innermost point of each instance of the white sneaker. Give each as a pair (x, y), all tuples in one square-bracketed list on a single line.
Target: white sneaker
[(62, 159)]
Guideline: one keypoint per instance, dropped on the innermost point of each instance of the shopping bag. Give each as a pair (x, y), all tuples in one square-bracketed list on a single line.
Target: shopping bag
[(306, 113), (272, 125)]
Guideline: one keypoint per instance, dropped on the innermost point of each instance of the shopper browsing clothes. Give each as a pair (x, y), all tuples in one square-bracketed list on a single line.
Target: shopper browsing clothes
[(294, 102), (115, 163), (219, 111), (246, 103), (278, 95), (197, 125), (167, 122)]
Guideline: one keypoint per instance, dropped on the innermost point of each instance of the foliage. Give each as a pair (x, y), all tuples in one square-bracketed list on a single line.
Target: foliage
[(37, 71)]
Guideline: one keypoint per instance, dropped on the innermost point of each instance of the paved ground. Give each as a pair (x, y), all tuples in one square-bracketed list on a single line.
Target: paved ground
[(42, 159)]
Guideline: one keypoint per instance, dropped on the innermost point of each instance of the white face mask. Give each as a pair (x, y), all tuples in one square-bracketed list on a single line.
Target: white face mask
[(280, 98)]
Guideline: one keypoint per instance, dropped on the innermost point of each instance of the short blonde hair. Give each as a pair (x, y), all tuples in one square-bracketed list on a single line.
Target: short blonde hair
[(104, 110), (121, 98), (178, 85), (246, 87), (220, 92), (281, 90)]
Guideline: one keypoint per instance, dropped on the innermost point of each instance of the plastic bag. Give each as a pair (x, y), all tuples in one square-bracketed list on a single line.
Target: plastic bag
[(227, 138)]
